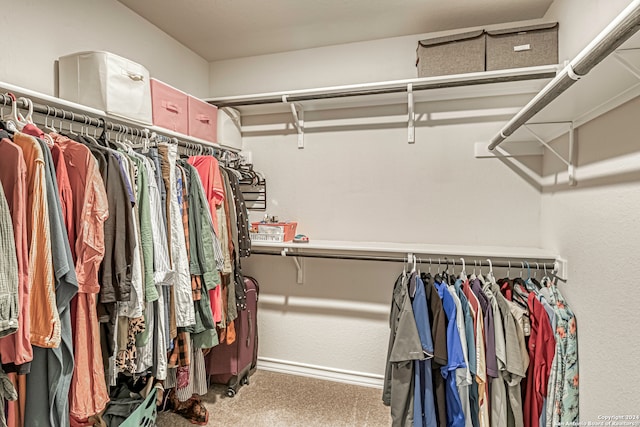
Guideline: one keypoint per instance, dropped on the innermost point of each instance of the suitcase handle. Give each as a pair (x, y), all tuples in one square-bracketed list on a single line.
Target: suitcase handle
[(250, 327)]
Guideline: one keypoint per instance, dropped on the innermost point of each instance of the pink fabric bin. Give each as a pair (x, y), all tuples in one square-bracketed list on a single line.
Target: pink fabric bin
[(203, 120), (170, 107)]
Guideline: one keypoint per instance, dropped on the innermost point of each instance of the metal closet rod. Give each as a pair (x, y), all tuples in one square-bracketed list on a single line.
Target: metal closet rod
[(277, 99), (66, 115), (619, 31), (421, 259)]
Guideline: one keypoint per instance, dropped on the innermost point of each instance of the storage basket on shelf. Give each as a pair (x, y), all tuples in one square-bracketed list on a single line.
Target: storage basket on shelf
[(108, 82), (522, 46), (170, 107), (203, 120), (454, 54), (273, 232)]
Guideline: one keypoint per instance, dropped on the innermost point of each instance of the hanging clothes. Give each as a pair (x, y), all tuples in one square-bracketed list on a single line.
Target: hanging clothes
[(16, 348), (56, 365), (541, 352), (424, 411), (404, 348), (563, 397), (455, 357), (45, 323), (88, 394), (438, 322)]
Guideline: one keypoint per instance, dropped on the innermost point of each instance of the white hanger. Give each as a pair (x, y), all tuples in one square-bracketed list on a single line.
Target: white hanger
[(12, 119), (490, 274), (46, 124), (463, 273), (29, 118)]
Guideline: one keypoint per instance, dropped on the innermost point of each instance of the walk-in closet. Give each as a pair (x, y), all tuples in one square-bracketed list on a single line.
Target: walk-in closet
[(338, 213)]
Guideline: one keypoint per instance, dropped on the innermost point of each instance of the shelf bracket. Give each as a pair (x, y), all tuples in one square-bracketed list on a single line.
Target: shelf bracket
[(571, 169), (625, 63), (298, 119), (412, 115), (299, 265)]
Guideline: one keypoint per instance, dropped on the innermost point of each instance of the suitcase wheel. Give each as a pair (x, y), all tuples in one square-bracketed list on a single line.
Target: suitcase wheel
[(245, 380), (231, 392)]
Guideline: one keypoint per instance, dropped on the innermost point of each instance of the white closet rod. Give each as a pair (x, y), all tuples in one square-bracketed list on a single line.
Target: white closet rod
[(617, 32), (424, 259)]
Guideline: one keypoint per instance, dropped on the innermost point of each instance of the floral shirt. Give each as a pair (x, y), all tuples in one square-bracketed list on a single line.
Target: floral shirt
[(562, 402)]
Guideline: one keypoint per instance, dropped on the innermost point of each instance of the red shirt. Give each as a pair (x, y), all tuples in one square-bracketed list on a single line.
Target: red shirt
[(541, 352)]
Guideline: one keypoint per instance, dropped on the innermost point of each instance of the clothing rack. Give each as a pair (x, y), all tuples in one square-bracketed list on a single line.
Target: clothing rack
[(422, 260), (556, 267)]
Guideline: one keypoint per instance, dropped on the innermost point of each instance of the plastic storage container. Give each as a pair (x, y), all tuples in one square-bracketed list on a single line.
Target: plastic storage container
[(273, 232), (107, 82), (170, 107)]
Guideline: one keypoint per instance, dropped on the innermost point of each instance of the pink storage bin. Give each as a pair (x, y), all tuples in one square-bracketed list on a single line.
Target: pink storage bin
[(170, 107), (203, 120)]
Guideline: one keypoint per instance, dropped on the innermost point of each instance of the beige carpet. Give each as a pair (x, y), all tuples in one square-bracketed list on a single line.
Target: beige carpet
[(281, 400)]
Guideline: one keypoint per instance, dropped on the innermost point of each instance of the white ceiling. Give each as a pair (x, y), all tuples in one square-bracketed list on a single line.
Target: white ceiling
[(225, 29)]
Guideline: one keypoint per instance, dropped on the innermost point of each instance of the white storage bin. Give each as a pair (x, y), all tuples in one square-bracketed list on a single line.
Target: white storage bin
[(229, 127), (107, 82)]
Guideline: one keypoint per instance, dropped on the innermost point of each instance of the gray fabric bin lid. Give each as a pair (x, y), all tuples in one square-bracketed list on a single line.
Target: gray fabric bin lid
[(526, 29), (452, 38)]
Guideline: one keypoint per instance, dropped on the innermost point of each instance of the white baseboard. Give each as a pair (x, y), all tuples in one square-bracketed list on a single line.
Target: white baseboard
[(321, 372)]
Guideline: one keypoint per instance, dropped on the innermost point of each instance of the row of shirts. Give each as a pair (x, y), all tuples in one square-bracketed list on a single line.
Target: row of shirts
[(103, 243), (480, 352)]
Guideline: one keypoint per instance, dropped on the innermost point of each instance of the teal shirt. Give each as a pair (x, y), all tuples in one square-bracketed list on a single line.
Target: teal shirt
[(146, 231)]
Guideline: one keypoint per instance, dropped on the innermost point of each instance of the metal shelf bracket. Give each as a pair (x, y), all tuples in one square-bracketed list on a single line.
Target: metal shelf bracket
[(299, 265), (298, 119), (412, 115), (571, 169)]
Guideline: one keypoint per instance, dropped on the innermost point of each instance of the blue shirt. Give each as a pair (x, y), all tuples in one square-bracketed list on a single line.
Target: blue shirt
[(424, 410), (468, 328), (455, 359)]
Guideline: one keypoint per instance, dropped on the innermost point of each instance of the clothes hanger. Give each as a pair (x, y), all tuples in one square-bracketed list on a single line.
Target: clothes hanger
[(490, 273), (73, 119), (463, 273), (47, 125), (28, 119), (12, 120)]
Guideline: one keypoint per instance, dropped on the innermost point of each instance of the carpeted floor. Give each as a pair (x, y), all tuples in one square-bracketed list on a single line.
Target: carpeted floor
[(281, 400)]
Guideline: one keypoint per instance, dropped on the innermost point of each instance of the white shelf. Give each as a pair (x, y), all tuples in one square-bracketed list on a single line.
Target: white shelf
[(459, 86), (415, 248), (93, 112), (607, 86)]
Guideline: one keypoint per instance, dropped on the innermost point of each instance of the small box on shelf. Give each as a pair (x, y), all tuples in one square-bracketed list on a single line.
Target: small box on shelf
[(273, 231)]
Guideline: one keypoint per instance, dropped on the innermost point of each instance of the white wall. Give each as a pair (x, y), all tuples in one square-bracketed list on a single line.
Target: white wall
[(358, 179), (37, 32), (370, 185), (362, 62), (366, 183), (596, 227)]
